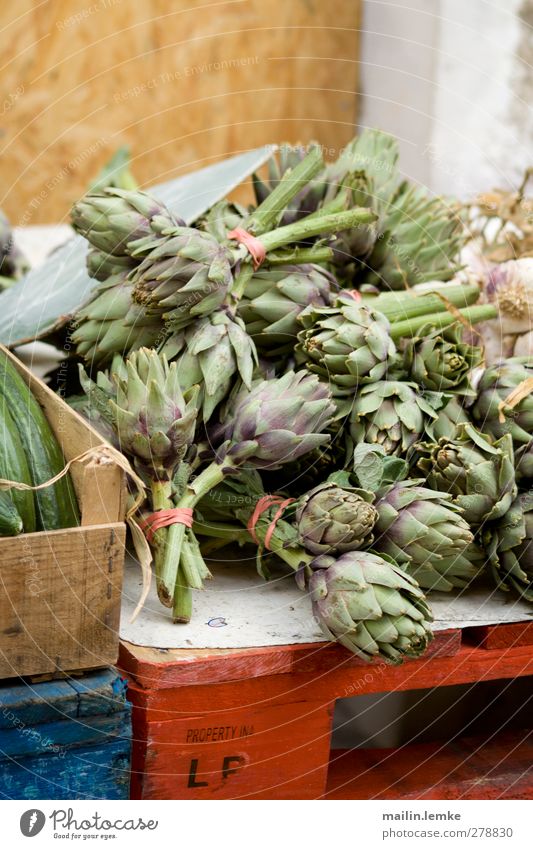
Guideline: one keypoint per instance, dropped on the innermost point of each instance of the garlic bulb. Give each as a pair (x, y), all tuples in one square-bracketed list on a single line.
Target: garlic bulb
[(509, 286)]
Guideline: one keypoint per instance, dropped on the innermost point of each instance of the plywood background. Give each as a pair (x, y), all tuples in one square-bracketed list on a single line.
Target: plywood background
[(181, 82)]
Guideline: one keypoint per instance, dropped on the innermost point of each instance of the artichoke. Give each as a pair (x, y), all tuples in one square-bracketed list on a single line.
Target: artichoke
[(346, 345), (524, 464), (333, 518), (186, 275), (211, 352), (392, 414), (143, 402), (370, 606), (113, 219), (425, 533), (447, 421), (509, 545), (491, 412), (274, 299), (437, 360), (478, 474), (420, 241), (112, 324), (276, 422)]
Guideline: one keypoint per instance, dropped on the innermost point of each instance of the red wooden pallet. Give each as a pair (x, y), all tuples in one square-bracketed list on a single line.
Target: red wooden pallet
[(256, 723)]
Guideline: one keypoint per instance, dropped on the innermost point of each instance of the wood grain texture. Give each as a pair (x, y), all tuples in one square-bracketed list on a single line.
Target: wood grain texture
[(258, 752), (161, 668), (508, 635), (183, 84), (60, 599), (468, 768)]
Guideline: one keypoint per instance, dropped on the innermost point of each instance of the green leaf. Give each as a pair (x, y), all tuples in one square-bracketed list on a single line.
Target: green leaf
[(49, 295)]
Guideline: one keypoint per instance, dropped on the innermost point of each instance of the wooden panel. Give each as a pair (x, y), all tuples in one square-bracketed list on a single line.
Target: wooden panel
[(508, 635), (469, 664), (60, 599), (182, 83), (468, 768), (160, 668), (256, 752)]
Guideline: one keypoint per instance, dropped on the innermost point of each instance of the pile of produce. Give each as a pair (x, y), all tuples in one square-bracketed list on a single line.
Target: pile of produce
[(32, 456), (283, 352)]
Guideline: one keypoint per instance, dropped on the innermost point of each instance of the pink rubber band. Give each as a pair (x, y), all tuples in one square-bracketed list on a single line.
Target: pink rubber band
[(352, 293), (163, 518), (254, 246), (264, 504)]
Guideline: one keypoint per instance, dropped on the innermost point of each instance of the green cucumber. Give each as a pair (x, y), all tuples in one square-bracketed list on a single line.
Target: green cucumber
[(56, 505), (10, 521), (14, 467)]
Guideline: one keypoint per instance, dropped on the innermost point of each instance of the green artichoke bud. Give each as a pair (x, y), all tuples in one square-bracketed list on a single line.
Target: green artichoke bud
[(478, 474), (332, 518), (524, 464), (114, 219), (447, 421), (438, 360), (392, 414), (274, 299), (188, 274), (221, 218), (210, 352), (425, 533), (490, 411), (101, 265), (420, 241), (509, 545), (370, 606), (111, 323), (144, 404), (346, 345), (276, 422)]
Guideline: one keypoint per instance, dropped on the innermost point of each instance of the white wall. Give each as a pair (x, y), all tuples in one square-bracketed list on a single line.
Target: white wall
[(453, 79)]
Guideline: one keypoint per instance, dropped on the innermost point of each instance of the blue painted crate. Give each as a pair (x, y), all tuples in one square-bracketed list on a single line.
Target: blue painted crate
[(65, 739)]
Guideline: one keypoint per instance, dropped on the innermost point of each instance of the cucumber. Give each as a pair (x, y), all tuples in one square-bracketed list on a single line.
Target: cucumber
[(10, 521), (14, 467), (56, 505)]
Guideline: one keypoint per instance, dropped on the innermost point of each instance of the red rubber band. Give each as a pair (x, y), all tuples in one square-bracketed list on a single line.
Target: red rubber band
[(264, 504), (163, 518), (352, 293), (254, 246)]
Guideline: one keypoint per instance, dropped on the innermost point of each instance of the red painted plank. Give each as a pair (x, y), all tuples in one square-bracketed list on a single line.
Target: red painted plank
[(469, 664), (467, 768), (260, 752), (506, 635), (157, 668)]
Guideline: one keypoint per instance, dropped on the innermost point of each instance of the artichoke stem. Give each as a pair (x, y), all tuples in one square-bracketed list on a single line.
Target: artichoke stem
[(299, 256), (269, 212), (160, 501), (322, 225), (471, 315), (182, 608)]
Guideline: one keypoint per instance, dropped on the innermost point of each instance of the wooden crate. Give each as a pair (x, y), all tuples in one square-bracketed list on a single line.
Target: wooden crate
[(184, 84), (256, 723), (60, 590), (65, 739)]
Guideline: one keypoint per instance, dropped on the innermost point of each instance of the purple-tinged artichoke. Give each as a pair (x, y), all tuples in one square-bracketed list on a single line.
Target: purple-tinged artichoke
[(424, 532), (370, 606), (185, 275), (477, 473), (333, 518), (113, 219), (276, 422), (144, 404)]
